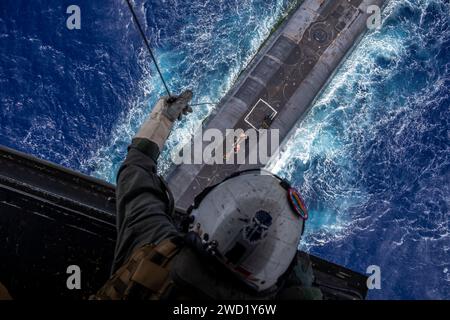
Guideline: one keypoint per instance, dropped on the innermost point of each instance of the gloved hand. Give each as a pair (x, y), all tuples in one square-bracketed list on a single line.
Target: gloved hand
[(168, 109)]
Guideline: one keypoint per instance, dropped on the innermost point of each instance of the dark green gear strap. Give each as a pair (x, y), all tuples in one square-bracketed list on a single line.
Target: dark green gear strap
[(145, 146)]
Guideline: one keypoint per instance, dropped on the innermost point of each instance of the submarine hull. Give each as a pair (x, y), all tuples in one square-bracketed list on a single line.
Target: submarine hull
[(282, 81)]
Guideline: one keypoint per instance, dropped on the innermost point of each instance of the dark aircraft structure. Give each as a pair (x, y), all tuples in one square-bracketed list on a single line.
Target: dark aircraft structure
[(52, 217)]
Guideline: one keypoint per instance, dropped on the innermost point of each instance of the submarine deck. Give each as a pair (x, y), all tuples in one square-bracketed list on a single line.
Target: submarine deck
[(281, 83)]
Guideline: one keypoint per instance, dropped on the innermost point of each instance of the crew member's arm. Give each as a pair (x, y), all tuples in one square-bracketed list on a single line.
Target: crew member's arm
[(144, 205)]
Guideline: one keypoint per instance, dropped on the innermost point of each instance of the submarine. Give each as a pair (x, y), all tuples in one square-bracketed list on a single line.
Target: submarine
[(280, 83), (52, 218)]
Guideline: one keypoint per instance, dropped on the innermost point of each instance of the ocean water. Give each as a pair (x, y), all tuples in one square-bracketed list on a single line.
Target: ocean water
[(371, 158)]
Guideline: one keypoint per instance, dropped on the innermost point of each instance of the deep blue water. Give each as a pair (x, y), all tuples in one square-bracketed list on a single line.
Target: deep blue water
[(372, 157)]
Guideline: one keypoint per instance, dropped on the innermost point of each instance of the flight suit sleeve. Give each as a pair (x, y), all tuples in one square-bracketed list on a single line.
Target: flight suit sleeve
[(144, 205)]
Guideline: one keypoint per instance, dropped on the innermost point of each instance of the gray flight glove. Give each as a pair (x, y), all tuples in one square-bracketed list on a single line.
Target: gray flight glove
[(168, 109)]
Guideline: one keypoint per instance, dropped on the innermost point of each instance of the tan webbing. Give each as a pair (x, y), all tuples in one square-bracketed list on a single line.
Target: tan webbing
[(4, 294), (144, 276)]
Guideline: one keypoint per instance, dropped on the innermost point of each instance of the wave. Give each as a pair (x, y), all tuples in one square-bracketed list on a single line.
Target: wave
[(372, 157), (201, 46)]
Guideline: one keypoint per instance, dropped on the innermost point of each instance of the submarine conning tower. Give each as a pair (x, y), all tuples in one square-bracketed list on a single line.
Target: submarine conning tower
[(281, 82)]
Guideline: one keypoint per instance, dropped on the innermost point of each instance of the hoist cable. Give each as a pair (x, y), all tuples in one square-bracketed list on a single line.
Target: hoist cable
[(144, 38)]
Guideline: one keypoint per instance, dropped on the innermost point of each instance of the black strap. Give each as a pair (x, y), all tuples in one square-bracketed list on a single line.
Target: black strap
[(145, 146), (170, 198)]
